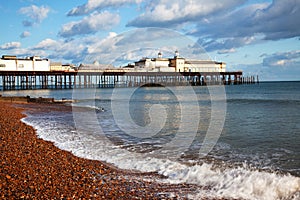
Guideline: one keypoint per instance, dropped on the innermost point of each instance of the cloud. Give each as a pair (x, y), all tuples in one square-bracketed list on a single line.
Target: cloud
[(162, 13), (10, 46), (225, 45), (279, 20), (279, 66), (25, 34), (119, 49), (47, 44), (226, 51), (58, 50), (224, 25), (237, 23), (274, 21), (90, 24), (35, 14), (98, 46), (93, 5), (145, 42), (269, 73), (283, 59)]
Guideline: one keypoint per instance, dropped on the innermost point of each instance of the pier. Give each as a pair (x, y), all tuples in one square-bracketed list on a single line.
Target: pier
[(26, 80)]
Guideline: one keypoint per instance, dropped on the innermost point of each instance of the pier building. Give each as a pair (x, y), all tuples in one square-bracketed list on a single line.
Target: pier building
[(37, 73), (34, 63), (178, 64)]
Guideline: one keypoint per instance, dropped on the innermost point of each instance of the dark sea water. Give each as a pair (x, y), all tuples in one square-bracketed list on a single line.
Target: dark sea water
[(242, 141)]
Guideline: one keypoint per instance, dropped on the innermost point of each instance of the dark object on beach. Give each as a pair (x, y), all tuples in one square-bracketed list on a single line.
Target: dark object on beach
[(152, 85), (40, 100)]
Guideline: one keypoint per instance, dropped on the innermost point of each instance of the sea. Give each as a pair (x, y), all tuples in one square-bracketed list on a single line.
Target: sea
[(234, 142)]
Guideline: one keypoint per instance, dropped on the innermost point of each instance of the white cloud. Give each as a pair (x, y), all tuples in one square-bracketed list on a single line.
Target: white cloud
[(119, 49), (226, 51), (98, 46), (25, 34), (282, 59), (257, 22), (226, 45), (90, 24), (35, 14), (281, 66), (48, 44), (279, 20), (169, 13), (224, 25), (93, 5), (10, 45), (237, 23), (135, 44)]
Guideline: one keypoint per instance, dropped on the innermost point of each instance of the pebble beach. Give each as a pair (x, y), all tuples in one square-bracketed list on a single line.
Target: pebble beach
[(32, 168)]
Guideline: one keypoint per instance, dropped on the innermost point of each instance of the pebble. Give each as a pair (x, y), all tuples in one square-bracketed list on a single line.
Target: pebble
[(32, 168)]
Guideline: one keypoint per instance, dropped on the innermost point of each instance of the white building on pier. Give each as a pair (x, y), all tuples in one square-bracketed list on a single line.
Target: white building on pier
[(34, 63), (178, 64)]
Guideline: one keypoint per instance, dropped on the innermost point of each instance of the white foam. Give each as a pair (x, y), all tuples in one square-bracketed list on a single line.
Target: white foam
[(239, 182), (82, 105)]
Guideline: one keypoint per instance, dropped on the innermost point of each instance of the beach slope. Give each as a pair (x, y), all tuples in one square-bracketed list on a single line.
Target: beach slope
[(32, 168)]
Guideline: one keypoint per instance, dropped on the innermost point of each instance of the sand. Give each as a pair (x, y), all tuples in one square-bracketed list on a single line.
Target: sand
[(32, 168)]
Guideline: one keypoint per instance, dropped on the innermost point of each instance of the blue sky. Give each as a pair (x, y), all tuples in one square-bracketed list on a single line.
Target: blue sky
[(260, 37)]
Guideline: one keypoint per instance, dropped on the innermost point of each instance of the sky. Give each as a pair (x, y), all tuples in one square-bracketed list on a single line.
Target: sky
[(259, 37)]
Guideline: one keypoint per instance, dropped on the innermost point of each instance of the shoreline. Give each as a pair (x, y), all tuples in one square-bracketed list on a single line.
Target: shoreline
[(33, 168), (267, 170)]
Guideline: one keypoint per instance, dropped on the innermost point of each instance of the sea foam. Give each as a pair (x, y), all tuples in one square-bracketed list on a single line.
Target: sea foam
[(236, 182)]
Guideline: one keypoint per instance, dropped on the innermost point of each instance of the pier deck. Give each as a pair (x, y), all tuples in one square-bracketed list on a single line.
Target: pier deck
[(22, 80)]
